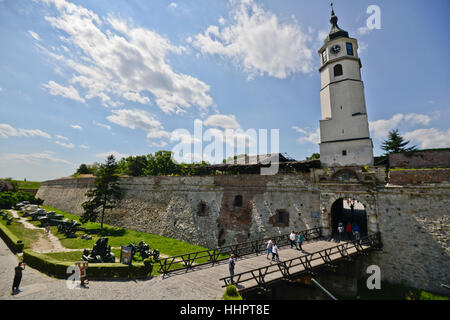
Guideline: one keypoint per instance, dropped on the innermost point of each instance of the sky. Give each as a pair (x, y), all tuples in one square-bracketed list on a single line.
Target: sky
[(83, 79)]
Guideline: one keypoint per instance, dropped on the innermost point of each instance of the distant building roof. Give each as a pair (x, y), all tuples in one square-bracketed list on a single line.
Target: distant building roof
[(259, 159)]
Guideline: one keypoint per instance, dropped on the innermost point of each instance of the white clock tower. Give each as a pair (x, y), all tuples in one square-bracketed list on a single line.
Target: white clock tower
[(344, 128)]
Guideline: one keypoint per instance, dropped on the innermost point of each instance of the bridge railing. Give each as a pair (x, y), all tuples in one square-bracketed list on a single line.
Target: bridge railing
[(212, 256), (308, 261)]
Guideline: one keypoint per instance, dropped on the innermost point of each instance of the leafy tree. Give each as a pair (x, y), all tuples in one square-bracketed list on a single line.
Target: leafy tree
[(83, 169), (133, 166), (314, 156), (105, 195), (161, 164), (395, 143)]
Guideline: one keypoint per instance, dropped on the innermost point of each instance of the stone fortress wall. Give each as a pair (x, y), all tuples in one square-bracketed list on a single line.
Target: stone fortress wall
[(224, 209)]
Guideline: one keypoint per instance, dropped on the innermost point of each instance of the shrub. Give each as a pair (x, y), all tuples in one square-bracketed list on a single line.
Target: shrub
[(8, 199), (231, 293)]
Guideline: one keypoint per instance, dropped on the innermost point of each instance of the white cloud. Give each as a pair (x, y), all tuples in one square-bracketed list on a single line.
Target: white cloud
[(259, 42), (223, 121), (77, 127), (134, 118), (116, 154), (364, 30), (70, 92), (308, 136), (430, 138), (381, 128), (1, 89), (101, 125), (34, 157), (61, 137), (65, 145), (82, 146), (123, 61), (172, 5), (8, 131), (34, 35), (139, 119)]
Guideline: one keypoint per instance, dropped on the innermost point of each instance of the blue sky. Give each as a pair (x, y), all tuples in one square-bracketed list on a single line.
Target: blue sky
[(81, 79)]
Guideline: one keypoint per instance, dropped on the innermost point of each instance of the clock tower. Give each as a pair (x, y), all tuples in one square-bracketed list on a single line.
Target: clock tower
[(344, 128)]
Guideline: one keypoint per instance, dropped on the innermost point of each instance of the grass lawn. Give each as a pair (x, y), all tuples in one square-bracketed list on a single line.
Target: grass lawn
[(120, 236), (28, 184), (26, 235)]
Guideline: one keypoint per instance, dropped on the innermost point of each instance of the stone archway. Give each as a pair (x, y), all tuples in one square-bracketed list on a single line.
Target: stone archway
[(348, 211), (368, 201)]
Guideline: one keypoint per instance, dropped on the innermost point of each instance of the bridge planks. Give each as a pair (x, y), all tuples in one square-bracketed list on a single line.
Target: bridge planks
[(208, 277)]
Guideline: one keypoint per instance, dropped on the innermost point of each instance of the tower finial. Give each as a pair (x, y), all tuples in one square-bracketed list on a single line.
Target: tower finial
[(332, 9), (333, 19)]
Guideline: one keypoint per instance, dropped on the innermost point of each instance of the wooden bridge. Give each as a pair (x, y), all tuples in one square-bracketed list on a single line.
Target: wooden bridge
[(209, 268)]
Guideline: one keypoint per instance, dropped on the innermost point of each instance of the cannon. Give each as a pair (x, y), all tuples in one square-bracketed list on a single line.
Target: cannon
[(144, 250), (100, 253), (69, 227), (51, 218), (37, 214), (20, 205)]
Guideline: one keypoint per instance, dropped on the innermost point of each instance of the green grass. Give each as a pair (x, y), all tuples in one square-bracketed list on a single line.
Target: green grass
[(120, 236), (27, 184), (26, 235)]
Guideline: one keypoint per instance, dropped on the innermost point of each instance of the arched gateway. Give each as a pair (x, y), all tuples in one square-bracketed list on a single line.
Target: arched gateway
[(348, 211), (337, 207)]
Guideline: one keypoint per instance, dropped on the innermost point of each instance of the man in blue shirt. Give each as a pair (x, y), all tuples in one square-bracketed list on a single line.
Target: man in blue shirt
[(231, 264)]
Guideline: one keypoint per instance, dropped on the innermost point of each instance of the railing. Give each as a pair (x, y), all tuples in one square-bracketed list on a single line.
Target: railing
[(212, 256), (308, 262)]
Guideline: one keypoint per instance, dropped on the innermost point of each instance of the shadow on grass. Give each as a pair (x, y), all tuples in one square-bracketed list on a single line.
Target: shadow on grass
[(107, 231)]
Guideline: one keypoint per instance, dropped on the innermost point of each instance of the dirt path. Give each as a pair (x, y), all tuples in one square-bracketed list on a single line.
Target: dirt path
[(45, 244)]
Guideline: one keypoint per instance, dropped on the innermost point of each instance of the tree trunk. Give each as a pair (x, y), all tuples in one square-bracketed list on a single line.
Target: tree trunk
[(103, 212)]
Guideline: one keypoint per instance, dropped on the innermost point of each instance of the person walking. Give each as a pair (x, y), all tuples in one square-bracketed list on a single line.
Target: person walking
[(340, 232), (275, 255), (231, 264), (17, 277), (269, 248), (356, 233), (292, 239), (47, 228), (349, 231), (300, 241)]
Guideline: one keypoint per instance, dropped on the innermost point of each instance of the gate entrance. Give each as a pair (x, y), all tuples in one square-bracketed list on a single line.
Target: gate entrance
[(347, 211)]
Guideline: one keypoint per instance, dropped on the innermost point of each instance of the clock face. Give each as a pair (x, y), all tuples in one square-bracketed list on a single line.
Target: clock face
[(336, 49)]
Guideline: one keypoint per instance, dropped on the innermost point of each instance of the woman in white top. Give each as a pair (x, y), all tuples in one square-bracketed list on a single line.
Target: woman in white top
[(269, 248)]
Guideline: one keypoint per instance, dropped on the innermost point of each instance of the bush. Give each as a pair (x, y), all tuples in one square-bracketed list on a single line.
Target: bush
[(14, 243), (231, 293), (8, 199), (58, 269)]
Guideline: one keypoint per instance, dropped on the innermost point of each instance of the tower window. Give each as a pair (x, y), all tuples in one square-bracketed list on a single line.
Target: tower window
[(349, 48), (344, 152), (338, 70), (238, 201), (324, 56)]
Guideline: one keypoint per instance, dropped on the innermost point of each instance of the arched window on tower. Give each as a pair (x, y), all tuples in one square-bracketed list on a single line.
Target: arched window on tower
[(338, 70)]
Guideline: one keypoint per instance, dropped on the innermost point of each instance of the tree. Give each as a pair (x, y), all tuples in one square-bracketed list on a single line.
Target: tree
[(105, 195), (83, 169), (395, 143), (314, 156)]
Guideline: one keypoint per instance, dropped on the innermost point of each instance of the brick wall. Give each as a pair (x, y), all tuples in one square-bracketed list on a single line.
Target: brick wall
[(421, 159), (418, 177)]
